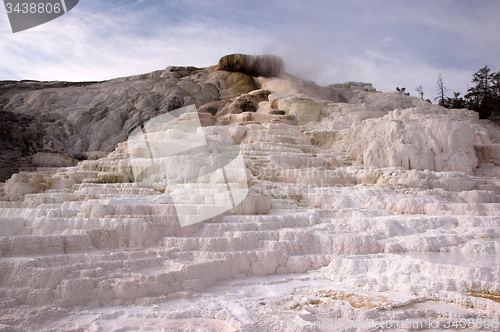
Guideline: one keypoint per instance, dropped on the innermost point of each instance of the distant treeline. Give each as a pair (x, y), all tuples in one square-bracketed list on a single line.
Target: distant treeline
[(483, 97)]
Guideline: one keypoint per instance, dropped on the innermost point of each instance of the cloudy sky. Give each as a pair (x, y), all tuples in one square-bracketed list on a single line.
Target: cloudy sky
[(385, 42)]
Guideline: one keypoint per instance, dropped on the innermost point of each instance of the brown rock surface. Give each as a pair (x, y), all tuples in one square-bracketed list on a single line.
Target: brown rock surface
[(254, 65)]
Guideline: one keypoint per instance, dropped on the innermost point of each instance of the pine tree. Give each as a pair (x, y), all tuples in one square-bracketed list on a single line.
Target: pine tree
[(402, 90), (456, 101), (495, 92), (482, 97)]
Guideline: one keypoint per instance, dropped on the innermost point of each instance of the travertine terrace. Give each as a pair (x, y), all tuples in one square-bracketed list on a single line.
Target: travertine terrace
[(363, 206)]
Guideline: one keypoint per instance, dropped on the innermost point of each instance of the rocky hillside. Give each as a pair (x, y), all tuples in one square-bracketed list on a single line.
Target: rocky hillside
[(77, 118)]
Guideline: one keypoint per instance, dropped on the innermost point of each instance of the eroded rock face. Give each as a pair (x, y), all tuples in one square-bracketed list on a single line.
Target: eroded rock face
[(245, 103), (20, 137), (254, 65)]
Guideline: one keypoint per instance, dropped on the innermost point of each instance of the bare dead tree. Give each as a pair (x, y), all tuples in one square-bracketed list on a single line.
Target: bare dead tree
[(441, 91), (420, 91)]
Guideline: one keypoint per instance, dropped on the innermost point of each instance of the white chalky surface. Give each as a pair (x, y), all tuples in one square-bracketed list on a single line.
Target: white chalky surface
[(383, 209)]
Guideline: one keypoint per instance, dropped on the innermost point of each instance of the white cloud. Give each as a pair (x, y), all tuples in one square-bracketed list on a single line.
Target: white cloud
[(394, 43), (97, 47)]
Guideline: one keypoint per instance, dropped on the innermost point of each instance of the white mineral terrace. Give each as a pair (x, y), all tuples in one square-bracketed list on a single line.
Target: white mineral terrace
[(382, 209)]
